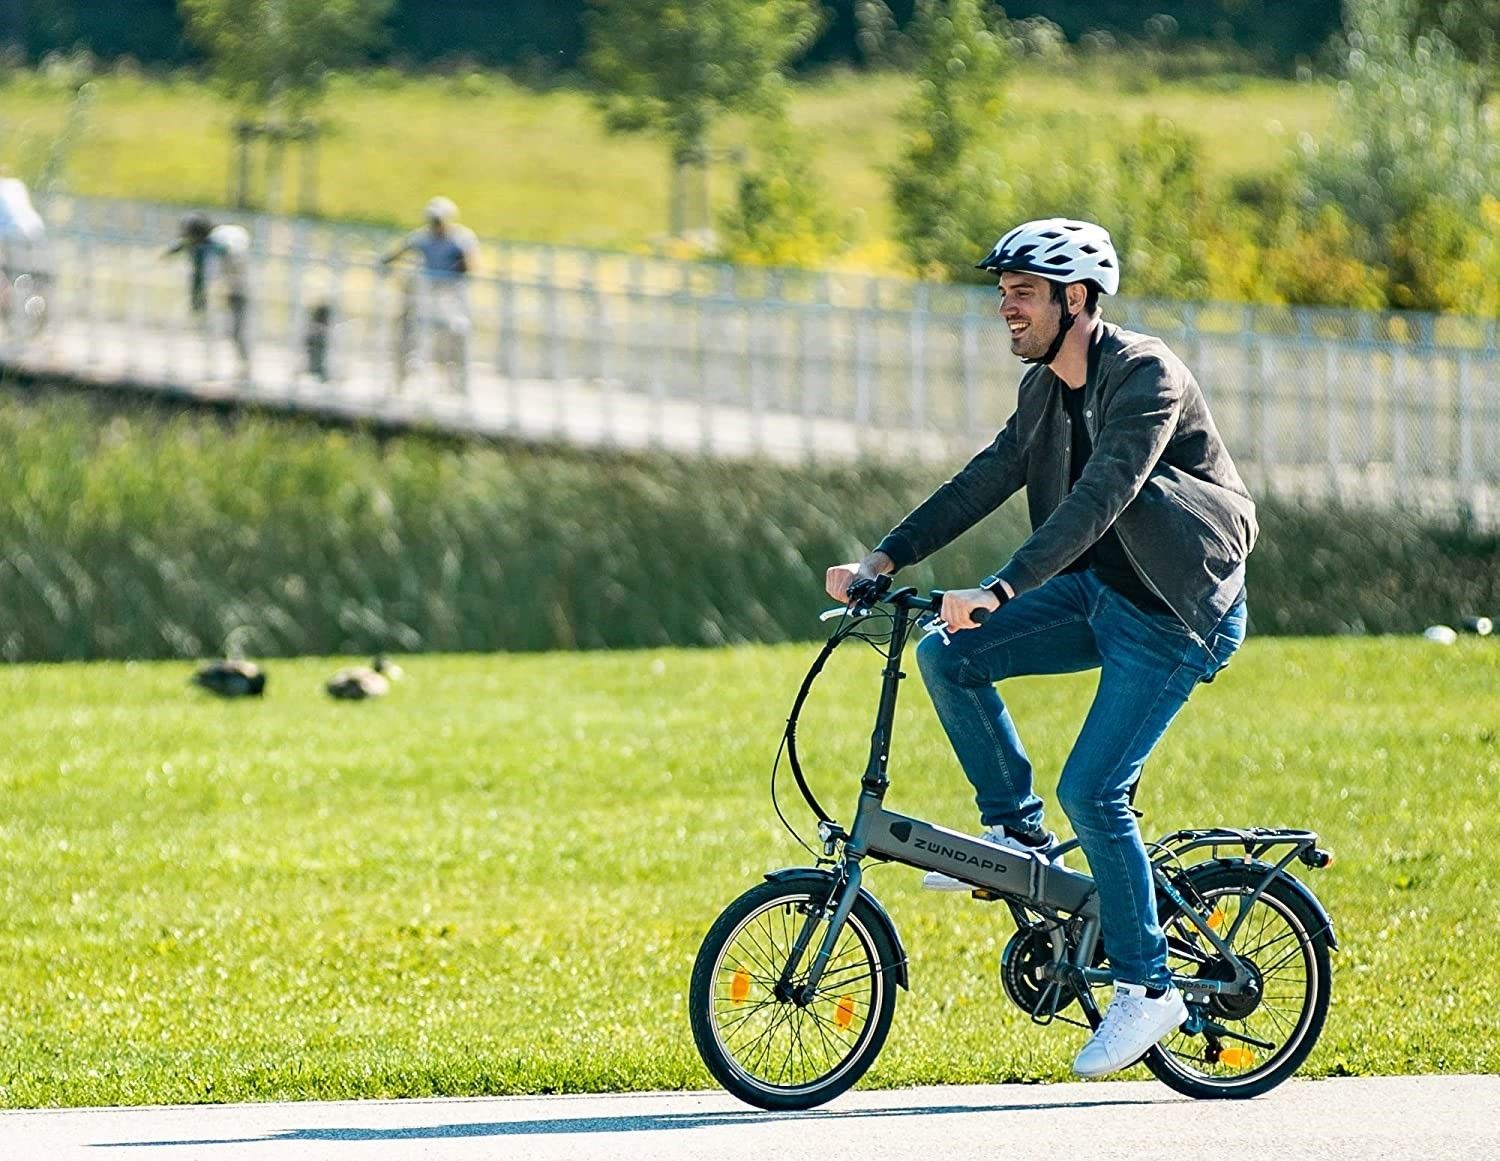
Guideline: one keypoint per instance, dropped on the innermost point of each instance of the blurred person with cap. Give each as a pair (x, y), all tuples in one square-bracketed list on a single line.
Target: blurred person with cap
[(22, 238), (435, 305), (224, 251), (1135, 566)]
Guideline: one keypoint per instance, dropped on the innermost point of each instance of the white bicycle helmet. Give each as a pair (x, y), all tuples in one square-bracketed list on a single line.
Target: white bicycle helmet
[(1060, 249)]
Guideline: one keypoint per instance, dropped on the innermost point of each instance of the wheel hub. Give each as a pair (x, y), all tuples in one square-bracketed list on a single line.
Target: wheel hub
[(1232, 1007)]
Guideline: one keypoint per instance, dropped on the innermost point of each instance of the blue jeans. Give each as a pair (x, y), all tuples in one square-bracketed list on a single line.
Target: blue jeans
[(1148, 663)]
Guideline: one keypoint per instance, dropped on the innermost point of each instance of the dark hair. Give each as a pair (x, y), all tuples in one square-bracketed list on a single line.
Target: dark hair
[(1090, 297), (197, 225)]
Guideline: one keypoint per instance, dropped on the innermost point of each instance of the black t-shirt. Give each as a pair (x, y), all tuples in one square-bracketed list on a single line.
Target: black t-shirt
[(1106, 556)]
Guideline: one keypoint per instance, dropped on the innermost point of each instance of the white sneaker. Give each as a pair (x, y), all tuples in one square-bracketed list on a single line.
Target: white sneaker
[(995, 836), (1134, 1022)]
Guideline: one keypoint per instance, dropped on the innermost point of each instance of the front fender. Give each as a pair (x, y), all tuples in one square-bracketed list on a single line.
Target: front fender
[(823, 874)]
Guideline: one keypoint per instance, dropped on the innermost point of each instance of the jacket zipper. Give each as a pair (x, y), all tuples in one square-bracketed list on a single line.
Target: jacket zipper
[(1130, 556)]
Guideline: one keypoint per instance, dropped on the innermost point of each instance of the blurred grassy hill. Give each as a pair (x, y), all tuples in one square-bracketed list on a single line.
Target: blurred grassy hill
[(538, 166)]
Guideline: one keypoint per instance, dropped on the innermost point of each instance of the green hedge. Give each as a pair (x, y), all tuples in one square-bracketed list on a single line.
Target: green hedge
[(147, 533)]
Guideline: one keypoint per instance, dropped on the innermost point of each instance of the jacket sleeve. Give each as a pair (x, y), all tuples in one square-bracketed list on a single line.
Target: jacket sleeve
[(1134, 430), (981, 486)]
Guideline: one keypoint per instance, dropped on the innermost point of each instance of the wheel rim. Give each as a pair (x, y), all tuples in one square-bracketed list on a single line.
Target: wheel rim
[(773, 1043), (1277, 943)]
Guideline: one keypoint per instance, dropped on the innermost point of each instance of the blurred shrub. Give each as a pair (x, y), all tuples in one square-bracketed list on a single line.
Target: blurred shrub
[(152, 534), (783, 214), (1324, 569), (1150, 192), (1411, 159), (946, 185)]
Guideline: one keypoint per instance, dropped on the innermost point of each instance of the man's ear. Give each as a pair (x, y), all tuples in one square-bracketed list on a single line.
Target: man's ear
[(1078, 294)]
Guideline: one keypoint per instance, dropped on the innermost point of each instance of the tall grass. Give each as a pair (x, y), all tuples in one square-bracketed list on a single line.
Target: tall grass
[(148, 533)]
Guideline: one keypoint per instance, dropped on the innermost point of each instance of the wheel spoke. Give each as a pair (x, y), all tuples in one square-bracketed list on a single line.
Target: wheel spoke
[(777, 1043)]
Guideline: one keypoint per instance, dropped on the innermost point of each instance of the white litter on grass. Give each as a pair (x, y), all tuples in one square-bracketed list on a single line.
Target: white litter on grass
[(1441, 634)]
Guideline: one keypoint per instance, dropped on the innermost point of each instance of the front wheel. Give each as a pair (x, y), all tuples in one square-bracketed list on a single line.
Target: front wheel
[(761, 1039), (1251, 1043)]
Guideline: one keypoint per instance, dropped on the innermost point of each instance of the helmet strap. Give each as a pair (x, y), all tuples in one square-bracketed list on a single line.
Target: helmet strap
[(1064, 325)]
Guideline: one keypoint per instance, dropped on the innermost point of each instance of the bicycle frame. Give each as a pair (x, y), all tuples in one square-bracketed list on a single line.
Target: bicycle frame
[(1000, 874)]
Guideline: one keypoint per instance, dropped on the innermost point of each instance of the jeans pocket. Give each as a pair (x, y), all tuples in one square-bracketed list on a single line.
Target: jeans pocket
[(1224, 642)]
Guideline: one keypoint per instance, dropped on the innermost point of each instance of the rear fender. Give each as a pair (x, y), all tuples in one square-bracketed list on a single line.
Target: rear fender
[(828, 878), (1301, 889)]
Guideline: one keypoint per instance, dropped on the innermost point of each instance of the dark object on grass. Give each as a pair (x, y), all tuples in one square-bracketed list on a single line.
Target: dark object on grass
[(232, 678), (362, 681), (1482, 626)]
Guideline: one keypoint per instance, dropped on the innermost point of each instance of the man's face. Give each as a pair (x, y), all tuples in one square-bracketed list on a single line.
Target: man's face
[(1027, 306)]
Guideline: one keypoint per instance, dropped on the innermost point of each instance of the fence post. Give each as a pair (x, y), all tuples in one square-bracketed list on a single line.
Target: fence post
[(1398, 418), (1266, 437), (1466, 488), (702, 335), (972, 416), (754, 364), (917, 352), (1330, 402)]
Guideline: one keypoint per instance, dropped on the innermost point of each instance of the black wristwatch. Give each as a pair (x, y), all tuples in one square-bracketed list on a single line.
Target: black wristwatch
[(995, 587)]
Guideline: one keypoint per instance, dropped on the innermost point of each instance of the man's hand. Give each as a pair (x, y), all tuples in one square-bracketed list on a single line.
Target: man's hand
[(959, 603), (838, 578)]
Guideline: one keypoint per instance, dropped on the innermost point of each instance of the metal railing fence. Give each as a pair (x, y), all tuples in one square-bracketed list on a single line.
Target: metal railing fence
[(636, 350)]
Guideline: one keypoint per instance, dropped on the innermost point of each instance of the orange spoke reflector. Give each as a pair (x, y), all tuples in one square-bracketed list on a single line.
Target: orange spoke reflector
[(1237, 1057), (1217, 920), (843, 1013), (739, 987)]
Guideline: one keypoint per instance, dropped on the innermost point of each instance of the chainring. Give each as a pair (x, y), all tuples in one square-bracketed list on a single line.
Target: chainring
[(1026, 954)]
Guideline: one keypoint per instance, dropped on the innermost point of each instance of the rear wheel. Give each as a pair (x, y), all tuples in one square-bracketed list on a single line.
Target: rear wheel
[(1261, 1038), (760, 1038)]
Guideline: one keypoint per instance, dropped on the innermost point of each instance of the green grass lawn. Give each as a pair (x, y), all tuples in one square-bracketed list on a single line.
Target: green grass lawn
[(540, 167), (495, 881)]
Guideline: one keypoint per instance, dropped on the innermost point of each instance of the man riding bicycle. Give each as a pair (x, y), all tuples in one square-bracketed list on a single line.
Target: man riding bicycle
[(1135, 566)]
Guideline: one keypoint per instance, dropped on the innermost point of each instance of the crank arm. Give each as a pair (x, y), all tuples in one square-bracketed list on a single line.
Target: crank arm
[(1218, 1031)]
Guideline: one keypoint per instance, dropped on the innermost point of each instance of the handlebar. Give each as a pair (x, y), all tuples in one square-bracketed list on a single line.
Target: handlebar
[(866, 592)]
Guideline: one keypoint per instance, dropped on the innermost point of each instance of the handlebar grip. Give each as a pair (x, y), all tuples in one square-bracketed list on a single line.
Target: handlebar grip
[(980, 616)]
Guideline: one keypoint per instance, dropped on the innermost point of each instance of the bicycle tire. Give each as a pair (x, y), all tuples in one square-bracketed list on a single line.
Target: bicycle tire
[(1212, 1079), (768, 1051)]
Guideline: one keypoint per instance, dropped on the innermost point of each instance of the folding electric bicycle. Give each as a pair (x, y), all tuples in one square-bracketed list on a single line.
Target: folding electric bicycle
[(794, 988)]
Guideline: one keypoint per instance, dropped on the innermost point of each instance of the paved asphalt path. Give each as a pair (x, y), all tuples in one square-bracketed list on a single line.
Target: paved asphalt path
[(1451, 1118)]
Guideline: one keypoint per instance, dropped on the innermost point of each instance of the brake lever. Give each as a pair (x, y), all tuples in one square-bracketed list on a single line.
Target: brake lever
[(936, 626)]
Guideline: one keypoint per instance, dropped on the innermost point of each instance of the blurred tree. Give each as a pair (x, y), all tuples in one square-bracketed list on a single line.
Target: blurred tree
[(1147, 187), (278, 53), (272, 58), (1411, 160), (946, 187), (674, 67), (782, 214), (1472, 25)]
